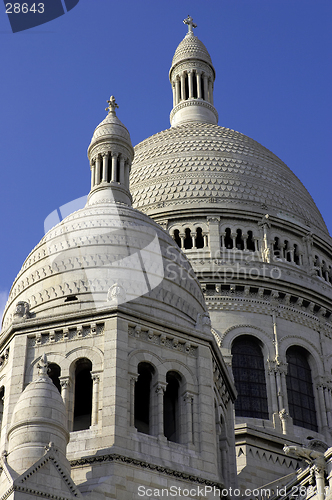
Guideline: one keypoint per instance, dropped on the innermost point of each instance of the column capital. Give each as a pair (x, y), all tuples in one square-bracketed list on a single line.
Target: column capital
[(161, 388), (95, 377), (65, 382)]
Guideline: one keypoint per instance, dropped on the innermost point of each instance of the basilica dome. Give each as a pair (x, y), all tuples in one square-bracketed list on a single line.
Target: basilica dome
[(203, 166), (101, 256)]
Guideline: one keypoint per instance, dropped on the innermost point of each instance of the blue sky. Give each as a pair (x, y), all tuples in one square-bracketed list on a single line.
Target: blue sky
[(273, 65)]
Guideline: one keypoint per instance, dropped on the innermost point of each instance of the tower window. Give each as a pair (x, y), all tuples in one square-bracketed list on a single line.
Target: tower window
[(300, 393), (251, 242), (199, 238), (2, 397), (83, 395), (143, 398), (54, 372), (239, 240), (171, 407), (188, 241), (177, 238), (249, 377), (228, 239)]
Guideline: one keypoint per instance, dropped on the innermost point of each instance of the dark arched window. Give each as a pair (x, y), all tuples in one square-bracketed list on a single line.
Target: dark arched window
[(143, 398), (188, 241), (54, 372), (171, 407), (249, 377), (2, 397), (300, 393), (228, 238), (177, 238), (239, 240), (251, 242), (199, 238), (83, 395)]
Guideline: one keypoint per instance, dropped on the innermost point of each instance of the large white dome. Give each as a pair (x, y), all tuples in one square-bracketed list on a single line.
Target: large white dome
[(201, 165), (104, 255)]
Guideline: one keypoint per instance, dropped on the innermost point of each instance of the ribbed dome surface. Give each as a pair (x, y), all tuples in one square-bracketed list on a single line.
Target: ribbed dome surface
[(106, 254), (110, 126), (201, 163), (191, 48)]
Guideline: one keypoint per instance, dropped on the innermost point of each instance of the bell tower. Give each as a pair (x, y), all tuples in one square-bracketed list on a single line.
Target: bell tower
[(192, 77)]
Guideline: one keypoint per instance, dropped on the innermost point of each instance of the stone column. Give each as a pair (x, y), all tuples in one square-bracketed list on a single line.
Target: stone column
[(205, 239), (127, 172), (191, 83), (193, 239), (214, 237), (308, 241), (199, 84), (210, 91), (174, 95), (92, 166), (273, 389), (105, 167), (188, 399), (322, 408), (183, 86), (160, 389), (65, 385), (234, 235), (245, 241), (206, 87), (223, 240), (177, 90), (95, 398), (133, 380), (97, 173), (114, 165), (319, 470), (182, 238), (122, 170)]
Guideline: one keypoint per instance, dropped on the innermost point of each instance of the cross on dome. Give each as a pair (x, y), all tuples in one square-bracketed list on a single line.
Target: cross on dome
[(112, 105), (190, 23)]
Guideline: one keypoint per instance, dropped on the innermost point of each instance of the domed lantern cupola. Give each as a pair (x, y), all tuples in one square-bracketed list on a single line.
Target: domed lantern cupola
[(192, 77), (111, 154)]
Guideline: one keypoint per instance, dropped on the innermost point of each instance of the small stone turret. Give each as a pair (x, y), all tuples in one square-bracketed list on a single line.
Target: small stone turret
[(39, 418), (111, 154), (192, 76)]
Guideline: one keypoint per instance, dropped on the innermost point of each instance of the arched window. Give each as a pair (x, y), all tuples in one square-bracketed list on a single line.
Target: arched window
[(188, 241), (249, 377), (177, 238), (296, 254), (251, 242), (171, 407), (276, 248), (228, 238), (239, 240), (83, 395), (2, 397), (54, 372), (199, 238), (143, 398), (300, 393)]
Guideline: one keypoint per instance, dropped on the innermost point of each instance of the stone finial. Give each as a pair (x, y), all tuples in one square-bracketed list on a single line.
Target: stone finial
[(190, 23), (43, 366), (22, 310), (112, 105)]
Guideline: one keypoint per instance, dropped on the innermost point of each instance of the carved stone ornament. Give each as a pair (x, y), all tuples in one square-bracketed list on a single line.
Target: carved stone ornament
[(116, 294), (22, 310), (203, 322)]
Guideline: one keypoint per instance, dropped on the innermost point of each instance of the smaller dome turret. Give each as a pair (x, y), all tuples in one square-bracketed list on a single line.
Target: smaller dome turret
[(111, 154), (192, 76), (39, 418)]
